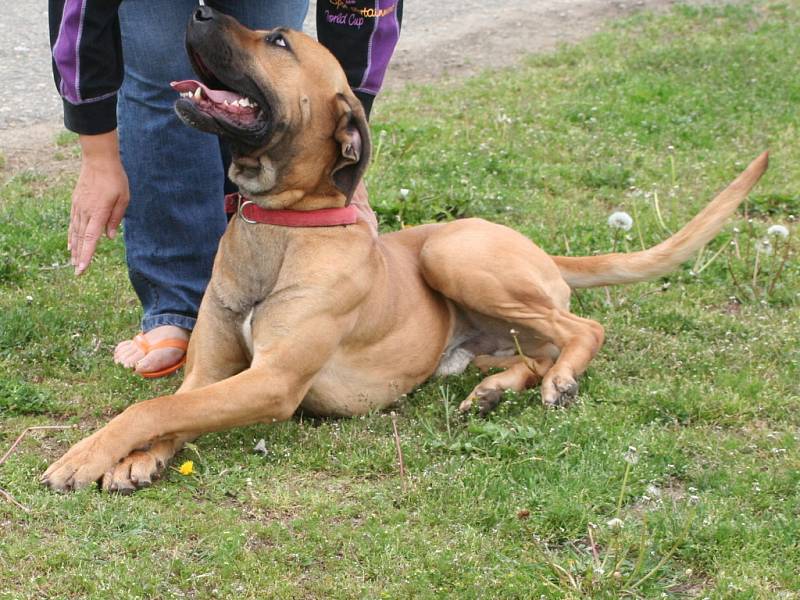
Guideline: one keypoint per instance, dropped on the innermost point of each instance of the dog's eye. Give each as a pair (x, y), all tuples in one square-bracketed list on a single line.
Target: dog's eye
[(277, 39)]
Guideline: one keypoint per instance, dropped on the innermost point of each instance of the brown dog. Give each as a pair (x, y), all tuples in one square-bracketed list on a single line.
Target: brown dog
[(336, 320)]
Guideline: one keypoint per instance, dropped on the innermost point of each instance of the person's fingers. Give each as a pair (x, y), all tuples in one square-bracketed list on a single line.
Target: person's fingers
[(99, 201), (74, 236), (69, 228), (116, 217), (81, 221), (88, 240)]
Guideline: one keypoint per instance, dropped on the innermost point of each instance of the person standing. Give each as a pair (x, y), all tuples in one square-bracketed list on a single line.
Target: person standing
[(113, 61)]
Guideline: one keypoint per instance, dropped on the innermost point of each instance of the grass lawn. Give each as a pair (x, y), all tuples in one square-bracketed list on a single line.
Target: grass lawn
[(700, 371)]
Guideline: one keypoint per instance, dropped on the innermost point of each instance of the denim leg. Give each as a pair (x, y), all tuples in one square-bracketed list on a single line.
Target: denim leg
[(264, 14), (175, 217)]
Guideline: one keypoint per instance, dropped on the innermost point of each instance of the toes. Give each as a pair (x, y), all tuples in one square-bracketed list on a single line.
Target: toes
[(58, 477), (67, 478), (127, 354), (118, 480), (136, 471), (559, 390), (466, 405), (158, 359), (143, 469), (81, 466), (486, 400)]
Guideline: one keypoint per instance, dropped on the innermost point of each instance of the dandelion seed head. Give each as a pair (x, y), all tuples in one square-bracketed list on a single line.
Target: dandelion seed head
[(764, 246), (631, 455), (778, 231), (620, 220), (404, 192), (615, 524)]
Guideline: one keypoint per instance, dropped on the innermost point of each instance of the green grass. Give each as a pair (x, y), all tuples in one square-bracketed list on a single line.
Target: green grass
[(699, 372)]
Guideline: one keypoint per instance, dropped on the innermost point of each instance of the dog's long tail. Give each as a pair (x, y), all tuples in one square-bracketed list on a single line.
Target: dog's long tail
[(612, 269)]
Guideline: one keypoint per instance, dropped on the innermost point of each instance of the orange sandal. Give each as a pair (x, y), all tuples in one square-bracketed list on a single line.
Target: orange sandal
[(147, 348)]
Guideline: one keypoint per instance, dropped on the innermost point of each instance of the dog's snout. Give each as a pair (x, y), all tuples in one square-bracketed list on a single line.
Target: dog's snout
[(204, 13)]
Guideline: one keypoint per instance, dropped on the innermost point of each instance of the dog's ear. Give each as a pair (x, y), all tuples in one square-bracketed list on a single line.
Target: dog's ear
[(352, 135)]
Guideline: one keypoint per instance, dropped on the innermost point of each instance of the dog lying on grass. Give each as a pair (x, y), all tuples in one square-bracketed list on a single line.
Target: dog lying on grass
[(335, 319)]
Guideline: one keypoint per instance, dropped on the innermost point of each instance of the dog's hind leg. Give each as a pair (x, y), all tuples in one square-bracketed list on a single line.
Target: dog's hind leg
[(484, 362), (520, 375), (495, 271)]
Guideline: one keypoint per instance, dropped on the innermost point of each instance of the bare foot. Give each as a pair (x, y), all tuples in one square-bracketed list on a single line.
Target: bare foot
[(130, 355)]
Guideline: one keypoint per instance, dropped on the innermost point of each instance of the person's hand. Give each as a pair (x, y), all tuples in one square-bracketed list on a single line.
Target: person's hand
[(99, 200)]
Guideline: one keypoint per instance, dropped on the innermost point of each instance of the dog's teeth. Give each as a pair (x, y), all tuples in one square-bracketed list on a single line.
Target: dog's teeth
[(198, 93)]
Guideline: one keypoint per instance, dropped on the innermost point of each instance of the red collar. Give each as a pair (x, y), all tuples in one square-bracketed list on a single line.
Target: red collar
[(251, 212)]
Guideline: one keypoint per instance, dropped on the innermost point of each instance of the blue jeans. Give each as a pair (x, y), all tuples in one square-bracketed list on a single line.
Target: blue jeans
[(177, 174)]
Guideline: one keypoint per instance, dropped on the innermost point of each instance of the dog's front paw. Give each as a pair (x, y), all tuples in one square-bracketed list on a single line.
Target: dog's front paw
[(82, 465), (139, 469), (559, 390)]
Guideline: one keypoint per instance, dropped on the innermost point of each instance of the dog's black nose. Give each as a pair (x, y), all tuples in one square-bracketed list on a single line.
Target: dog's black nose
[(204, 13)]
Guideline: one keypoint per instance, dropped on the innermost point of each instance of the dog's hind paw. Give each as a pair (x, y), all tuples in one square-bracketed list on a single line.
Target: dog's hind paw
[(559, 390), (485, 400)]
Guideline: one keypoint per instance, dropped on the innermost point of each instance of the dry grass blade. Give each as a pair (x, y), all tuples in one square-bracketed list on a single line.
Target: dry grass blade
[(16, 443), (399, 450), (26, 432), (13, 500)]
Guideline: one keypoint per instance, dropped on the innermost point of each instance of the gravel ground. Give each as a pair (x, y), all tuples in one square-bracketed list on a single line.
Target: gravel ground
[(440, 40)]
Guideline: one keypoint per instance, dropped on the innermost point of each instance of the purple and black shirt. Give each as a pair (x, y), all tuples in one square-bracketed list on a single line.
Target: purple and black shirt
[(88, 67)]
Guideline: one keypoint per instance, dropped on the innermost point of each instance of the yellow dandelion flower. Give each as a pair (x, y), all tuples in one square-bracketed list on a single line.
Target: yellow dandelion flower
[(186, 468)]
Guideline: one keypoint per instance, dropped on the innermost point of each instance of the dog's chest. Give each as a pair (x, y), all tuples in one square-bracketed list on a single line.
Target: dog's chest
[(248, 264), (247, 331)]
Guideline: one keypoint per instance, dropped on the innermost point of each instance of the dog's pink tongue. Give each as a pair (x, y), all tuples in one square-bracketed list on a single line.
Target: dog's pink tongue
[(219, 96)]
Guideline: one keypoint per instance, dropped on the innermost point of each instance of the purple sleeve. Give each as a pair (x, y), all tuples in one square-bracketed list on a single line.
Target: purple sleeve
[(362, 34), (87, 62)]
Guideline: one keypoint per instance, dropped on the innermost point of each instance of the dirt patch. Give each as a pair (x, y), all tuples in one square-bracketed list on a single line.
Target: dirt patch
[(441, 42), (34, 148)]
